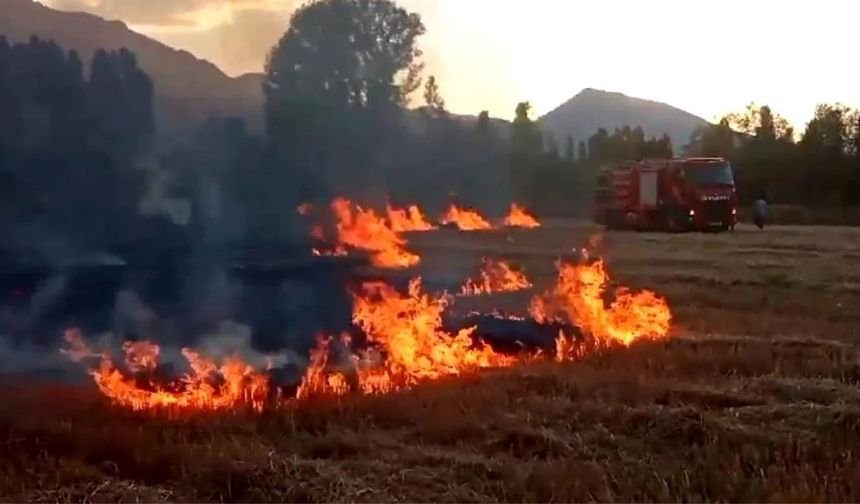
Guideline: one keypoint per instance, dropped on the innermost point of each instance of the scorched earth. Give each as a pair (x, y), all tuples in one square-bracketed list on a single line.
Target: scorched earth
[(753, 394)]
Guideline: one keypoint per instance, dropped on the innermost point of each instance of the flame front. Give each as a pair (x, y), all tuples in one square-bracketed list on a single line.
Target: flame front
[(518, 217), (496, 276), (364, 229), (317, 379), (406, 344), (464, 219), (404, 220), (208, 386), (407, 328), (578, 297)]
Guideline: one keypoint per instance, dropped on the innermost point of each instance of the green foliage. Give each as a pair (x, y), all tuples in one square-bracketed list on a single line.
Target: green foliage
[(432, 97), (69, 146), (624, 144), (551, 147), (714, 141), (346, 53), (526, 138), (821, 169), (569, 149)]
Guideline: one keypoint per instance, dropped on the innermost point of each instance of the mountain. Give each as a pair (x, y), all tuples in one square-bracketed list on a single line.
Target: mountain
[(591, 109), (188, 90)]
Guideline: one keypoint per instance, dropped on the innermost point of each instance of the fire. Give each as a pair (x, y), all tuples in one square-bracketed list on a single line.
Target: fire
[(408, 219), (338, 251), (464, 219), (496, 276), (518, 217), (317, 379), (208, 386), (578, 296), (407, 330), (406, 344), (305, 208), (363, 229)]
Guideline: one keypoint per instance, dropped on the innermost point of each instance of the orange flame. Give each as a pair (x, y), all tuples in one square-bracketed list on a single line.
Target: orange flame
[(408, 330), (464, 219), (408, 219), (317, 379), (141, 356), (578, 296), (496, 276), (406, 344), (517, 217), (208, 387), (363, 229)]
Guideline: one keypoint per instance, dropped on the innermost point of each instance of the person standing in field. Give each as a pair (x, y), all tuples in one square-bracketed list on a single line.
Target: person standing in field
[(760, 210)]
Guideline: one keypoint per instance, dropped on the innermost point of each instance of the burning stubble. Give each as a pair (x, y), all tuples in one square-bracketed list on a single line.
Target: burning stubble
[(406, 343)]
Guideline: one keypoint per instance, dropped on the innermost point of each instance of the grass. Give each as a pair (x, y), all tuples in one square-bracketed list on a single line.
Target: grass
[(756, 398)]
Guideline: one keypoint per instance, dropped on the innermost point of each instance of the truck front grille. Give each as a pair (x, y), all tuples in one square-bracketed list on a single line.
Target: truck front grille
[(717, 211)]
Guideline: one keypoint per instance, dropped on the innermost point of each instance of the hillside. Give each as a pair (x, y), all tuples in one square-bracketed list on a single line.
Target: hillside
[(188, 89), (591, 109)]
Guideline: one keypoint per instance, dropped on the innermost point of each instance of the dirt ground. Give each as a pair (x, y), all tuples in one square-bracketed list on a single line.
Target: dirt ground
[(756, 397)]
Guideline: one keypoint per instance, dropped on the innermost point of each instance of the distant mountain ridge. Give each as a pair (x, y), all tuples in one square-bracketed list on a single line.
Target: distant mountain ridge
[(188, 90), (590, 109)]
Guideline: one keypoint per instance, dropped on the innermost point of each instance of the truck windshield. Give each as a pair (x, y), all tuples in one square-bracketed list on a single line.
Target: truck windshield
[(710, 174)]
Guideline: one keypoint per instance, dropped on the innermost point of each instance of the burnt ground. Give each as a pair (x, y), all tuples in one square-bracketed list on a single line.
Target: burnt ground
[(756, 398)]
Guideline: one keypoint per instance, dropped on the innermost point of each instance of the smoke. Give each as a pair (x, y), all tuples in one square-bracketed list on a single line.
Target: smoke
[(25, 358), (233, 339)]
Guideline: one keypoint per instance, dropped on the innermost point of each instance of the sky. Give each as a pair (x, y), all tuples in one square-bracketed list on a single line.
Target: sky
[(706, 57)]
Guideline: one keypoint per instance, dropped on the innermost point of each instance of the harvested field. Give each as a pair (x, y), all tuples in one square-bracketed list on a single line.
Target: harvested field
[(755, 398)]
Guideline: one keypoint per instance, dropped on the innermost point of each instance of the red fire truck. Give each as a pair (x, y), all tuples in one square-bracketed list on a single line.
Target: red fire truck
[(691, 194)]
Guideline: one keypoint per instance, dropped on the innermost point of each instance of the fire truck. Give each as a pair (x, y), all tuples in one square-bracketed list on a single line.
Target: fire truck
[(690, 194)]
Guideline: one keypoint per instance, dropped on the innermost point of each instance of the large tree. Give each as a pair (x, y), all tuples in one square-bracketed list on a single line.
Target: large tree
[(337, 83), (346, 53), (825, 149)]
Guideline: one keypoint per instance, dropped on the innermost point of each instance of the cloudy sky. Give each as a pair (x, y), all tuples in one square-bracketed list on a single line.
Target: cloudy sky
[(708, 57)]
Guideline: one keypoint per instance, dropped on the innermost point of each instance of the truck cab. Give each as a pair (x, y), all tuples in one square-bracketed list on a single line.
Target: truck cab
[(705, 189)]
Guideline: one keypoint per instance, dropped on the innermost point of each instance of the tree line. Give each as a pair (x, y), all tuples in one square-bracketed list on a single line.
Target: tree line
[(78, 168), (69, 145), (821, 167)]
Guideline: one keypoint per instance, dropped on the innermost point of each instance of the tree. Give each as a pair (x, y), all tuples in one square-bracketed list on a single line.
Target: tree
[(760, 122), (526, 149), (526, 138), (713, 140), (432, 98), (72, 173), (598, 147), (569, 149), (826, 148), (336, 88), (120, 96), (346, 53), (551, 147)]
